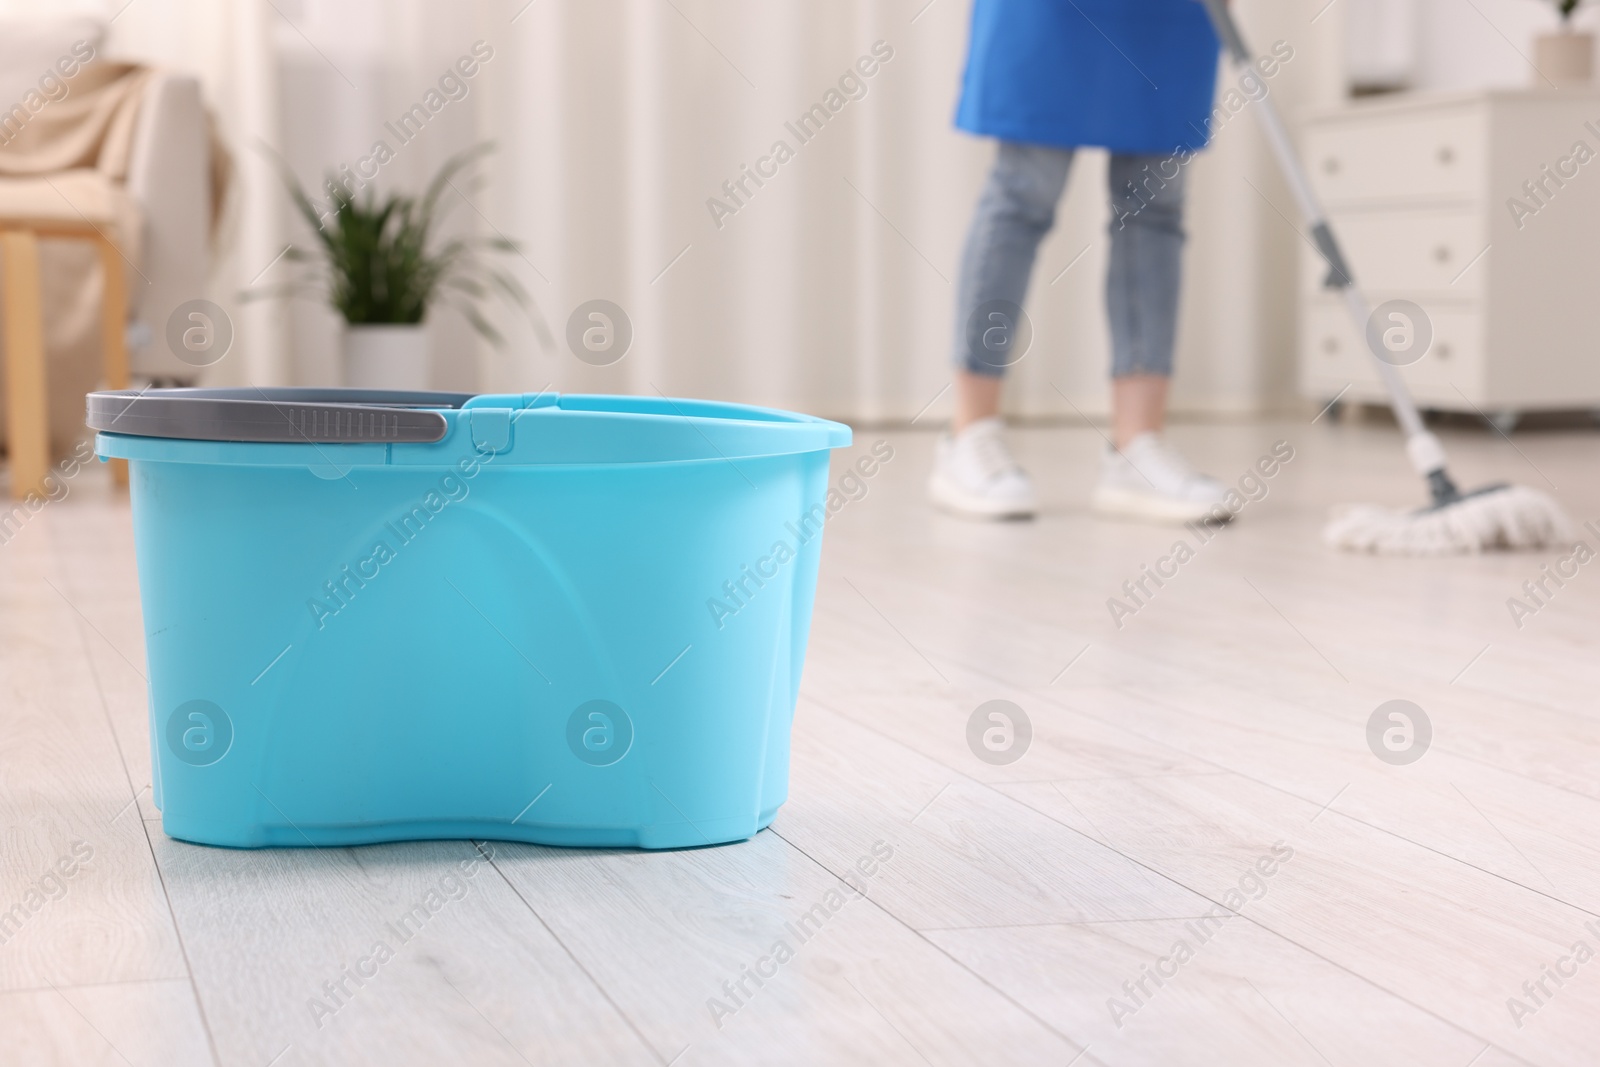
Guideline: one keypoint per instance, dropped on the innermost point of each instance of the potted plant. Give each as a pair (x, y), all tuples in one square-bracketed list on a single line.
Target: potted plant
[(1565, 58), (377, 262)]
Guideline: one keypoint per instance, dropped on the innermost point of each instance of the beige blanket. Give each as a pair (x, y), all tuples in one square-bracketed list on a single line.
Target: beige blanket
[(70, 160)]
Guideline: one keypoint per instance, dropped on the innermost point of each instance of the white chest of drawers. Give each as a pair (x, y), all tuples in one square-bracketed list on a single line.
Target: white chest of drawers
[(1424, 193)]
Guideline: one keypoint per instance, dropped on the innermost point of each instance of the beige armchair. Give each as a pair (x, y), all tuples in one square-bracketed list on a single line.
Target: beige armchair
[(105, 213)]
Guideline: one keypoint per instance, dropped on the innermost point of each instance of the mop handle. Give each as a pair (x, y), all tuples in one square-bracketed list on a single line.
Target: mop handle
[(1427, 455)]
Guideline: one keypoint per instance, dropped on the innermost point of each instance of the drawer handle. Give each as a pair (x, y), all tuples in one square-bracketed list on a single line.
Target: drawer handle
[(1330, 345), (1442, 254), (1330, 165), (1442, 350), (1447, 156)]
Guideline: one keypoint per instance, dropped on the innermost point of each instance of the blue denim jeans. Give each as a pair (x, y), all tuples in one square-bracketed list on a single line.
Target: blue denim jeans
[(1018, 207)]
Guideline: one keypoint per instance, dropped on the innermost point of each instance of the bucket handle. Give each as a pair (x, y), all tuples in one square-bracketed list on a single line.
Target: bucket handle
[(282, 415)]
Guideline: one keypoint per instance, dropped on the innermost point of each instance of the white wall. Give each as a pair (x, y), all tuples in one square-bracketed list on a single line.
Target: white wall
[(1454, 44), (1484, 42)]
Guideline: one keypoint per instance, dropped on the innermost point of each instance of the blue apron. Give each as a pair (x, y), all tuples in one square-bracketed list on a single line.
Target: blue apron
[(1134, 76)]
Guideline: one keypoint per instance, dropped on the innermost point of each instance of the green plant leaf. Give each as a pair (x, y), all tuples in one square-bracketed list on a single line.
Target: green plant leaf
[(375, 260)]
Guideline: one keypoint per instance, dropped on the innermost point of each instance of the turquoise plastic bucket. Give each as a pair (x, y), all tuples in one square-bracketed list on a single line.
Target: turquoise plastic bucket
[(573, 620)]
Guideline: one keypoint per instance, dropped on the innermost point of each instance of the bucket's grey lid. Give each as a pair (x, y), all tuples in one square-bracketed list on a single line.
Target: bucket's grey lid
[(290, 416)]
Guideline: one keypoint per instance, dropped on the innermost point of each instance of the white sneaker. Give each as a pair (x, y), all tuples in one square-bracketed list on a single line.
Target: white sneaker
[(1149, 480), (974, 474)]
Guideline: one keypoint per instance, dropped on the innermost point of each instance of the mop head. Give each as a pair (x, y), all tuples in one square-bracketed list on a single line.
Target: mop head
[(1499, 517)]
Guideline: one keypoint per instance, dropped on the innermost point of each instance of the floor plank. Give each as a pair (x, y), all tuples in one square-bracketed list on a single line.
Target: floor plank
[(340, 955), (1243, 995), (81, 899), (1376, 906), (147, 1024), (664, 933)]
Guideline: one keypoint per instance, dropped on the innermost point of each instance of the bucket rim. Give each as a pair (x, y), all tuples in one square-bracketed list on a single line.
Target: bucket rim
[(273, 427)]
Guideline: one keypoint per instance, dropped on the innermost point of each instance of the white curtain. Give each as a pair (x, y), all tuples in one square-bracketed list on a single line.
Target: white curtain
[(829, 290), (311, 82)]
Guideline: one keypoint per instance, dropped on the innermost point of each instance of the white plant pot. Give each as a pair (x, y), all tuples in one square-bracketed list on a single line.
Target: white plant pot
[(387, 357), (1565, 58)]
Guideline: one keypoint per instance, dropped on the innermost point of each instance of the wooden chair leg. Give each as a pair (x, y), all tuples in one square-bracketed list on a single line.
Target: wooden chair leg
[(114, 332), (27, 404)]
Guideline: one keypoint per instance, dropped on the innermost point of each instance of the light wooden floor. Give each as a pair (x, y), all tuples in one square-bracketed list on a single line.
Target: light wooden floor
[(1228, 716)]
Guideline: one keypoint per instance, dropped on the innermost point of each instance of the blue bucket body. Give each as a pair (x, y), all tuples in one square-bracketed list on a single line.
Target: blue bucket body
[(573, 621)]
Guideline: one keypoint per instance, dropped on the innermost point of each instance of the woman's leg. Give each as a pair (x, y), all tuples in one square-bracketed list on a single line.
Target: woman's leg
[(1145, 477), (973, 470), (1143, 281), (1138, 405), (1016, 209)]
